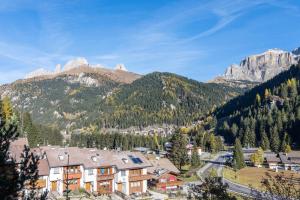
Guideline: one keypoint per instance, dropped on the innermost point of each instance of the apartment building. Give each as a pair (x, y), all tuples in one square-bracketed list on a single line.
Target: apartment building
[(100, 172)]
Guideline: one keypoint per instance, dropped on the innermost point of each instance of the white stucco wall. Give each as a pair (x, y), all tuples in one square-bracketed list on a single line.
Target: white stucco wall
[(90, 178), (56, 177)]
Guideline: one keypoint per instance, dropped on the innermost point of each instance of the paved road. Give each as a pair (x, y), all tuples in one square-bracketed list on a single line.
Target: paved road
[(218, 164)]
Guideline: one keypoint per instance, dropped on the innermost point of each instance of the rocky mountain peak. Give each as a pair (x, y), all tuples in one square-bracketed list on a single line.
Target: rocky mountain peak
[(261, 67), (75, 63), (80, 65), (120, 67), (296, 51), (37, 72)]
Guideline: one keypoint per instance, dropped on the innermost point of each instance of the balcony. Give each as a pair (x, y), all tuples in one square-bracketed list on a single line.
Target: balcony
[(105, 177), (72, 174), (140, 177)]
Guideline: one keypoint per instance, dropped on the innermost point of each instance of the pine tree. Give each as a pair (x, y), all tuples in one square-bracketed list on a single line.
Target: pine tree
[(275, 141), (265, 144), (249, 138), (178, 153), (31, 131), (195, 160), (234, 129), (238, 157), (14, 177)]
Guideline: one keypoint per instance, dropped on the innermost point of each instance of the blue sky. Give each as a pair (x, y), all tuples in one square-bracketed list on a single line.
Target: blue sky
[(194, 38)]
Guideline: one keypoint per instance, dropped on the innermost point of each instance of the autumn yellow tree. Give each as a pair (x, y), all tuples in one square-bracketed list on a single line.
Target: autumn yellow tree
[(7, 110), (258, 157), (287, 149)]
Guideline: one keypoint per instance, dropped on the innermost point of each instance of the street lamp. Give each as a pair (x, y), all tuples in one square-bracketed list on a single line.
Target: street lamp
[(67, 191)]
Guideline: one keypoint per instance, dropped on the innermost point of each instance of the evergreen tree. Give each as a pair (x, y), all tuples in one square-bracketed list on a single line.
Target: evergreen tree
[(178, 153), (195, 160), (275, 141), (211, 189), (249, 138), (265, 144), (31, 131), (234, 129), (238, 157), (15, 177)]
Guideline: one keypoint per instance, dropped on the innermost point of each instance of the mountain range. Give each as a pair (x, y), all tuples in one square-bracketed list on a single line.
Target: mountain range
[(81, 95), (268, 115), (261, 67)]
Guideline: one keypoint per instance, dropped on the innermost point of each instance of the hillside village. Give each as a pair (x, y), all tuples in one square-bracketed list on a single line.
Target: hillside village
[(150, 100)]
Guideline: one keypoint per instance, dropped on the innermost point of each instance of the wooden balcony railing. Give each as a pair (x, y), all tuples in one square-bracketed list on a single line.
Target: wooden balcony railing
[(139, 177), (73, 174), (105, 177)]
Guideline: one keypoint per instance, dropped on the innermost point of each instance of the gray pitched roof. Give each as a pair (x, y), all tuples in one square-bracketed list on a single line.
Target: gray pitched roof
[(163, 164)]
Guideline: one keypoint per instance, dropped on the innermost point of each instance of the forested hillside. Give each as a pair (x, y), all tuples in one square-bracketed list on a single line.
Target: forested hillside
[(162, 98), (35, 133), (266, 116), (65, 102), (78, 100)]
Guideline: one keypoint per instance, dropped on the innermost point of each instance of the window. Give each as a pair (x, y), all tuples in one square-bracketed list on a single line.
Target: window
[(163, 180), (90, 172), (104, 171), (56, 170), (135, 172), (135, 184), (123, 173), (72, 181)]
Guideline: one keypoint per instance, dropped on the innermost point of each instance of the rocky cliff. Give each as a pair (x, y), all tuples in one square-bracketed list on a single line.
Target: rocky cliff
[(260, 67), (296, 51)]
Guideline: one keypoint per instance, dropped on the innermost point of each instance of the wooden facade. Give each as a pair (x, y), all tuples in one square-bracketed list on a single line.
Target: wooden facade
[(105, 176), (72, 174), (135, 187), (167, 181)]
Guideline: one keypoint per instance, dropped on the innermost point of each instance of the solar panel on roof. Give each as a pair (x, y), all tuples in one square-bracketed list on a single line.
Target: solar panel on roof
[(139, 160), (136, 160)]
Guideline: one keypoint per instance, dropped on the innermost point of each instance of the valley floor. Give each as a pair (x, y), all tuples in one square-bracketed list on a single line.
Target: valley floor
[(253, 176)]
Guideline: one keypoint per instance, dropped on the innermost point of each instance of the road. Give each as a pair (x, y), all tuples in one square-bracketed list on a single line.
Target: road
[(218, 163)]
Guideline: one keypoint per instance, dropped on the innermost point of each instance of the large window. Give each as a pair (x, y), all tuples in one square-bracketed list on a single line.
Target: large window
[(123, 173), (90, 172), (56, 170), (135, 184)]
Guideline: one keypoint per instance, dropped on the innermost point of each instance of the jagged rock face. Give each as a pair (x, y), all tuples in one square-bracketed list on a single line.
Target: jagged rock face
[(38, 72), (262, 67), (77, 62), (120, 67), (296, 51)]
